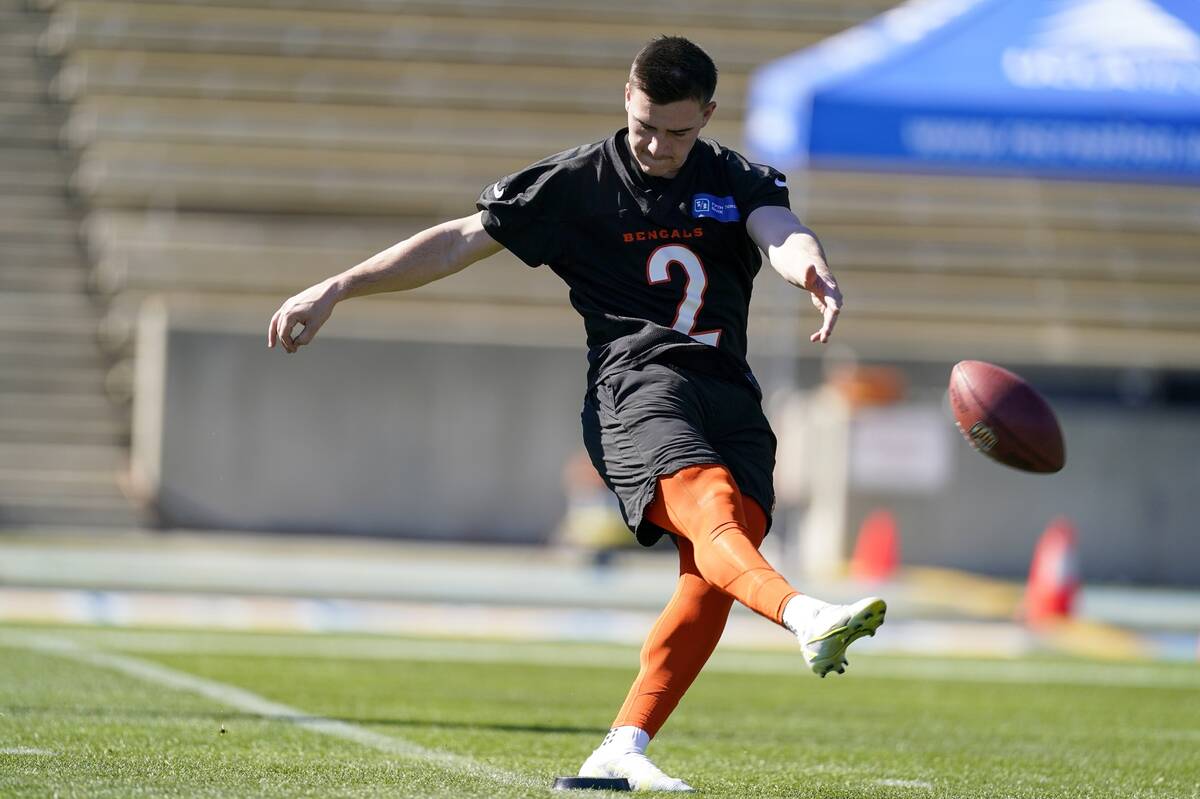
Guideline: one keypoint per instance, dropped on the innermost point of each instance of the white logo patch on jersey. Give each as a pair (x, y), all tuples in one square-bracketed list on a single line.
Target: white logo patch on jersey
[(498, 190)]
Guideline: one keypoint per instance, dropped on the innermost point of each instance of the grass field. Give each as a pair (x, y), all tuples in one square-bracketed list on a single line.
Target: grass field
[(105, 712)]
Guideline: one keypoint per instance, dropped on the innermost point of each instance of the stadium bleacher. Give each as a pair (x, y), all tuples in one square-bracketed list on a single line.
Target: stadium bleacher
[(181, 113), (407, 109), (219, 150), (62, 441), (244, 148)]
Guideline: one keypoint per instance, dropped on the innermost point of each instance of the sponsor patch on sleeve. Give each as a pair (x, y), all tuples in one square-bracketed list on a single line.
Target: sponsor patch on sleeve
[(722, 209)]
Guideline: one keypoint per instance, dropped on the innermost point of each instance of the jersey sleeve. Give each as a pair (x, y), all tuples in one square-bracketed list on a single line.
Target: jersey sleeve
[(523, 212), (756, 185)]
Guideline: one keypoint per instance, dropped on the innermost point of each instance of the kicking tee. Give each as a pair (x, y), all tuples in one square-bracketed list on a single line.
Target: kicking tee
[(660, 269)]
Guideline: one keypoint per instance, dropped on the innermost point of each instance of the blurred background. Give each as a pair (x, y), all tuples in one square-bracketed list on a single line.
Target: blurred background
[(1002, 180)]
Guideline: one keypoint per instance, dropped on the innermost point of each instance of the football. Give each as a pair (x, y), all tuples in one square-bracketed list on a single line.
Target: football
[(1005, 418)]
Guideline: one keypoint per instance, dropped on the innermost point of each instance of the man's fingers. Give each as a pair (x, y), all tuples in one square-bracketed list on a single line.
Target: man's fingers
[(303, 311), (828, 300), (306, 334), (822, 335), (284, 331), (831, 317)]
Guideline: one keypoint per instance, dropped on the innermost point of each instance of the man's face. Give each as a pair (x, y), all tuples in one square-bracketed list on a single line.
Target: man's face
[(661, 136)]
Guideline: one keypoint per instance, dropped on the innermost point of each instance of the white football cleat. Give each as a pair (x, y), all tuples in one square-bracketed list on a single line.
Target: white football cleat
[(633, 766), (824, 640)]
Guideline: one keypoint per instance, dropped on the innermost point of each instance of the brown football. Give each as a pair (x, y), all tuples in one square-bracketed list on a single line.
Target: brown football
[(1005, 418)]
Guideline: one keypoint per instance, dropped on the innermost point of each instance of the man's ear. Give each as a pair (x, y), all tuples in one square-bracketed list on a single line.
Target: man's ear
[(708, 112), (628, 94)]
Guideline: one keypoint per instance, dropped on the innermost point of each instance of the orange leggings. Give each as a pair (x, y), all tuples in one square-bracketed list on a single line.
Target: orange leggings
[(718, 532)]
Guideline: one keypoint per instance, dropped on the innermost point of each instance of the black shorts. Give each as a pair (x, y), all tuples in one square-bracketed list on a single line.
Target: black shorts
[(653, 421)]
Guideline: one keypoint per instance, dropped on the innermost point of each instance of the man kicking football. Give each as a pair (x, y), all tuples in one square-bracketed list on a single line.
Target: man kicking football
[(659, 235)]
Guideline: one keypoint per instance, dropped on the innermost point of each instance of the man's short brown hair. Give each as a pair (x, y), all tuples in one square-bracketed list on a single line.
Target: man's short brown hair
[(671, 68)]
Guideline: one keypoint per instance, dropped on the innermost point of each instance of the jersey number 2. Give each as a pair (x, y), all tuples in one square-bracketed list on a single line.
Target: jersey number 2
[(658, 270)]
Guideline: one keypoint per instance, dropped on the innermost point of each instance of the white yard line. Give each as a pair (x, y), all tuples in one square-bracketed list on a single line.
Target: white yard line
[(1031, 672), (249, 702), (27, 750)]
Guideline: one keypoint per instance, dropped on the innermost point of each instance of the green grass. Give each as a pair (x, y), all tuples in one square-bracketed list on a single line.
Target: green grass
[(753, 726)]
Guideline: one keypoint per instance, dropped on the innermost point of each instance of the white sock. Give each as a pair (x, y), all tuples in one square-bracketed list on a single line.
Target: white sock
[(627, 739), (799, 610)]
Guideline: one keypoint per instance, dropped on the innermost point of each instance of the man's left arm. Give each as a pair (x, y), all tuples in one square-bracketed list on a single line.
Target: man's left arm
[(795, 253)]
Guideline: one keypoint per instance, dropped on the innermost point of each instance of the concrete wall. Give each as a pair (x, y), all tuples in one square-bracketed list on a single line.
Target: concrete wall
[(366, 432), (361, 435), (400, 419), (1130, 486)]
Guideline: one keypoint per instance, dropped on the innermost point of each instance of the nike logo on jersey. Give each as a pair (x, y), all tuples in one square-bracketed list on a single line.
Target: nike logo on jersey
[(498, 190), (780, 182), (722, 209)]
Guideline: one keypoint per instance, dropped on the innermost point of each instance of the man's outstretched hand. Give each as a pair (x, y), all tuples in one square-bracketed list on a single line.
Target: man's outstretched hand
[(309, 308), (827, 297)]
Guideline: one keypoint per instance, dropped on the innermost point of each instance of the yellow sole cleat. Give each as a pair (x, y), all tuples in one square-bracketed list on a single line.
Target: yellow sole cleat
[(824, 641)]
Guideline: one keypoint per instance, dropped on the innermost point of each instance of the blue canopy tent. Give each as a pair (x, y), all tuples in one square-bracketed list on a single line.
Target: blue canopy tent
[(1105, 89)]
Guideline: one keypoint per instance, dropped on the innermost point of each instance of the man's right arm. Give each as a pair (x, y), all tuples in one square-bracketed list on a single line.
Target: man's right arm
[(423, 258)]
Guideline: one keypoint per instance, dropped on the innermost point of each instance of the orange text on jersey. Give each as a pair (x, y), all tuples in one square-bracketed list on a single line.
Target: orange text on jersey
[(662, 234)]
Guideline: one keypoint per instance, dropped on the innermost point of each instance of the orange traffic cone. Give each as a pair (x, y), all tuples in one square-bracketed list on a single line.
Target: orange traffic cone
[(877, 551), (1053, 574)]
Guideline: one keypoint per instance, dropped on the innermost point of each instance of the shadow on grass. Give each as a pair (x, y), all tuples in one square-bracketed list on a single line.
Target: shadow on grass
[(112, 714)]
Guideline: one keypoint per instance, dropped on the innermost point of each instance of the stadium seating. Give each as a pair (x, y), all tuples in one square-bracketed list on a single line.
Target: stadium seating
[(602, 36), (1039, 271), (407, 109), (230, 151), (243, 148), (410, 83), (62, 442), (203, 119)]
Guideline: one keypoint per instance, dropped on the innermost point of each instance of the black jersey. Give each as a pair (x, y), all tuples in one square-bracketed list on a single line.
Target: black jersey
[(660, 270)]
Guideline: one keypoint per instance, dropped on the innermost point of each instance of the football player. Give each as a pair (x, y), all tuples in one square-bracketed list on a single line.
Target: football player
[(659, 234)]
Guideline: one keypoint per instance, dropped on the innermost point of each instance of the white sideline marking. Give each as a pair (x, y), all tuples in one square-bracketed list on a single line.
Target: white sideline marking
[(28, 750), (1022, 672), (248, 702)]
